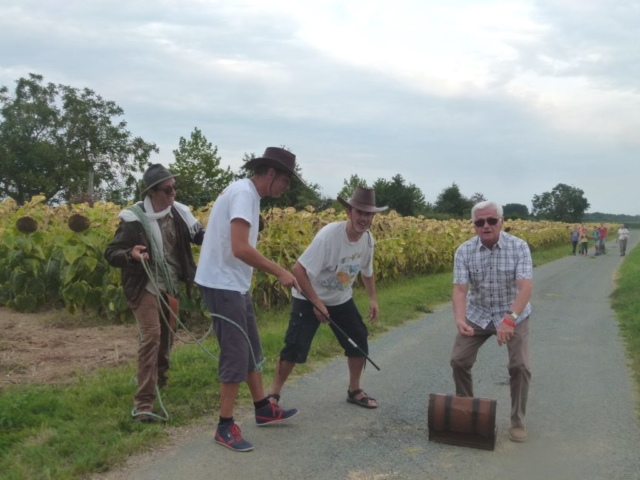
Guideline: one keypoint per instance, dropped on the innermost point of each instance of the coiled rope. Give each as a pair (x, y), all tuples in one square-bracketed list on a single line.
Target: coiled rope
[(162, 302)]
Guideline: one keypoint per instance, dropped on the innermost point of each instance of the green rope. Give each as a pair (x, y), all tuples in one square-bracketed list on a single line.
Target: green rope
[(162, 268), (161, 301)]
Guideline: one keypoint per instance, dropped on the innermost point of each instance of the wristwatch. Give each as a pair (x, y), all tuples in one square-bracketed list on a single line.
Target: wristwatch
[(513, 314)]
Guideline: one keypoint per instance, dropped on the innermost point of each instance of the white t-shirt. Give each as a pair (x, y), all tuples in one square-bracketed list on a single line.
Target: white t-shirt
[(623, 234), (332, 263), (217, 267)]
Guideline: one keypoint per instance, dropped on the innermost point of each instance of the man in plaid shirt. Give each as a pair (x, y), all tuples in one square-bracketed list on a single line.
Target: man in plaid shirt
[(492, 288)]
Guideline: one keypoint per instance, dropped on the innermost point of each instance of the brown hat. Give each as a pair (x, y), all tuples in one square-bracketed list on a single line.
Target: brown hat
[(363, 199), (156, 174), (277, 158)]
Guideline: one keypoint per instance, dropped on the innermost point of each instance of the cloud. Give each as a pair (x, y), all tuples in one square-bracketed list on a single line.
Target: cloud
[(505, 98)]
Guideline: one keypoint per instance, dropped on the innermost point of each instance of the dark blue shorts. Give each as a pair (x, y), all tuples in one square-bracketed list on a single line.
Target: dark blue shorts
[(303, 326)]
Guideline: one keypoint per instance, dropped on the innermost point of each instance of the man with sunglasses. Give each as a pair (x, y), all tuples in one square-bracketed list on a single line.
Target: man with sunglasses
[(326, 272), (491, 294), (224, 274), (158, 231)]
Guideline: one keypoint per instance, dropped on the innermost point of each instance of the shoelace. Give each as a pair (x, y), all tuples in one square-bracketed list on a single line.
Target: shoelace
[(276, 411), (235, 431)]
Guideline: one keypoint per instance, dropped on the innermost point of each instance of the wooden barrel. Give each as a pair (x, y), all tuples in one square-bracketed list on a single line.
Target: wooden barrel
[(466, 421)]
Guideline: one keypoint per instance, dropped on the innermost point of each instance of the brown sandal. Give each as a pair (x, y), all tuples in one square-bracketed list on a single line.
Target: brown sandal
[(363, 402)]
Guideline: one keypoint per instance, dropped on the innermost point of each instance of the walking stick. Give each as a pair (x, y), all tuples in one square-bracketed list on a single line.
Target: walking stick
[(341, 331)]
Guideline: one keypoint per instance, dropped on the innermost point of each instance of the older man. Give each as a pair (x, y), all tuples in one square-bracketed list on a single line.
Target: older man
[(491, 293), (160, 231), (623, 236)]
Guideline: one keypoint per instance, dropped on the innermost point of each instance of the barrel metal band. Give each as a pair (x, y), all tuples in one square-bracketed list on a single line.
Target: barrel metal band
[(475, 413), (447, 411)]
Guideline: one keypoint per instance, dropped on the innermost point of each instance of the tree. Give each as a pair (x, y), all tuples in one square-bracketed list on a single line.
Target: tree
[(477, 198), (201, 179), (348, 186), (406, 199), (451, 202), (61, 141), (515, 210), (563, 204)]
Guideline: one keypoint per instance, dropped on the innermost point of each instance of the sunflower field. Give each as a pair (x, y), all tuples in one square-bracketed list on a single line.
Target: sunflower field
[(54, 256)]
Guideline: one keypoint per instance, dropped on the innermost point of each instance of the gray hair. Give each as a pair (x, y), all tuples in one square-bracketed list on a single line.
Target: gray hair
[(487, 204)]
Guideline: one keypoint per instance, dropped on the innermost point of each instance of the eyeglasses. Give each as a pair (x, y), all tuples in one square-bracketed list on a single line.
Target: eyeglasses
[(168, 189), (480, 222)]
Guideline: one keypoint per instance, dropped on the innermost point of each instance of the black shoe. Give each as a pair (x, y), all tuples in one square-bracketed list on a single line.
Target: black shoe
[(272, 413)]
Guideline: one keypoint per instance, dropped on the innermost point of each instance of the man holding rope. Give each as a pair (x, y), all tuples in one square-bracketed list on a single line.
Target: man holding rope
[(326, 272), (224, 274), (159, 231)]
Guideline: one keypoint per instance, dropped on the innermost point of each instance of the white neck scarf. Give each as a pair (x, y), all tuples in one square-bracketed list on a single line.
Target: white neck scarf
[(194, 225)]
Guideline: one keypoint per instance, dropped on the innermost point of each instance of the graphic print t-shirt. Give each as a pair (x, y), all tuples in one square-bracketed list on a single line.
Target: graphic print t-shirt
[(333, 262)]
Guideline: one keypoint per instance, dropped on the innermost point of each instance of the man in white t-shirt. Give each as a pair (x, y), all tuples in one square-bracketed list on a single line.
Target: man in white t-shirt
[(326, 272), (224, 273), (623, 236)]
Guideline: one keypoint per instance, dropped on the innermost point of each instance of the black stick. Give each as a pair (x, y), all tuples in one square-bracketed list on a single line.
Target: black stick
[(341, 331)]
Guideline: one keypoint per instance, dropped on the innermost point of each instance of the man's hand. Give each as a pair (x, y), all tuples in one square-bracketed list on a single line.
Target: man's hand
[(287, 279), (505, 333), (373, 312), (320, 315), (464, 328), (138, 252)]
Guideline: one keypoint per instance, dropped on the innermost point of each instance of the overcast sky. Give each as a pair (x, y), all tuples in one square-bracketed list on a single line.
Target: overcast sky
[(505, 98)]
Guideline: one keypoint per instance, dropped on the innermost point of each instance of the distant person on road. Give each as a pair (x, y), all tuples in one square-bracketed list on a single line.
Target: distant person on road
[(623, 236), (597, 241), (584, 242), (492, 279), (583, 228), (326, 272), (603, 237), (575, 237), (224, 274), (158, 230)]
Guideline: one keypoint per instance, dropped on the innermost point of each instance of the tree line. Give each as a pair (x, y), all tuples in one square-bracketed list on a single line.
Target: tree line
[(72, 145)]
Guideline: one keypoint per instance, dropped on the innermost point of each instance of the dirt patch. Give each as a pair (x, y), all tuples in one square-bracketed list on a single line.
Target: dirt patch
[(34, 348)]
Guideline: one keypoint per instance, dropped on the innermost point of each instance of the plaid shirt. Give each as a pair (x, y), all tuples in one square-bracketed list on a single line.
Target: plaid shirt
[(492, 277)]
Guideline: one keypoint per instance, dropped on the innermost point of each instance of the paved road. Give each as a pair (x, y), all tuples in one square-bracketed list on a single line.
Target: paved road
[(580, 415)]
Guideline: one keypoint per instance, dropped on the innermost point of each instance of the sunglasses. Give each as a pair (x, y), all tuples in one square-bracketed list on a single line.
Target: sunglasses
[(168, 189), (491, 221)]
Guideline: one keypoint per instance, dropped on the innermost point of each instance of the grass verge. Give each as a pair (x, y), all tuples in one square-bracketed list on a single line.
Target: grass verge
[(71, 431), (626, 303)]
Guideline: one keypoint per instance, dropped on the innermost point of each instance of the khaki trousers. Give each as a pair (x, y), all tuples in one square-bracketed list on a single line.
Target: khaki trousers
[(153, 351), (465, 352), (622, 244)]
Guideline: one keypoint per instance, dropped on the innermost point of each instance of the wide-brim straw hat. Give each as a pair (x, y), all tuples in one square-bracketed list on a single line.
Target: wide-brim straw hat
[(363, 199), (277, 158)]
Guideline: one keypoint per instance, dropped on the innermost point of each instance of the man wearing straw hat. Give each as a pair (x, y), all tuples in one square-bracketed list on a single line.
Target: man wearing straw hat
[(224, 274), (326, 272), (159, 232)]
